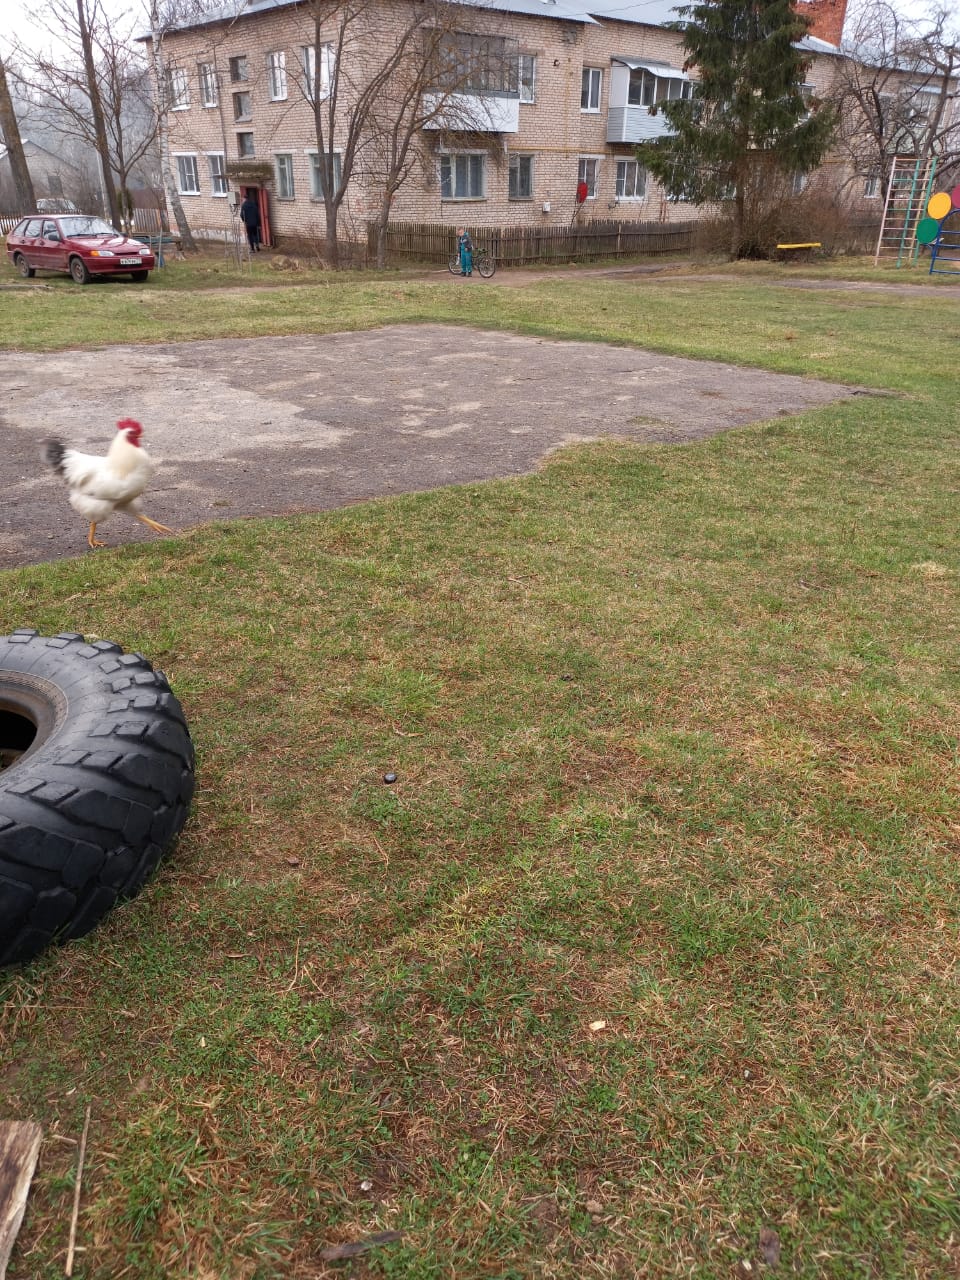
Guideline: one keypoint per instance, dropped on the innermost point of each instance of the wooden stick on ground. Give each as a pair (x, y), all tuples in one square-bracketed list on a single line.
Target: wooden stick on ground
[(19, 1149), (76, 1196)]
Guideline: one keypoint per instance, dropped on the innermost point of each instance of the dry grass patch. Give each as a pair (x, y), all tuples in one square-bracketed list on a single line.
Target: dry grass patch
[(674, 737)]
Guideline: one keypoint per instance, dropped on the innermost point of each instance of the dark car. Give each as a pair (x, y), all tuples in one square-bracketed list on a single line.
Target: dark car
[(80, 243)]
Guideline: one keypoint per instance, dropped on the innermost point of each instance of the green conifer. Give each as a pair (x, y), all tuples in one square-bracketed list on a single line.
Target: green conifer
[(747, 120)]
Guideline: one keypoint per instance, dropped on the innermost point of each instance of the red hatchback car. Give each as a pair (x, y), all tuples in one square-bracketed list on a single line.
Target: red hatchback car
[(80, 243)]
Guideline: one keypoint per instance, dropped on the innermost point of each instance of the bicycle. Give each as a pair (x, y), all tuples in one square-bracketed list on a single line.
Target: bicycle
[(483, 261)]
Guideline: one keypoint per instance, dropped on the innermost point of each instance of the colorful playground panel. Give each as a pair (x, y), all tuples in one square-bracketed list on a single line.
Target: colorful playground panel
[(940, 229)]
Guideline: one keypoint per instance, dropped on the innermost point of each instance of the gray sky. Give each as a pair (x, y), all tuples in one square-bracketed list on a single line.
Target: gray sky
[(21, 21), (20, 18)]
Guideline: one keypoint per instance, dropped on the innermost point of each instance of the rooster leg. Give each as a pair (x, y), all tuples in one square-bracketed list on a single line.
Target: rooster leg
[(151, 524), (91, 539)]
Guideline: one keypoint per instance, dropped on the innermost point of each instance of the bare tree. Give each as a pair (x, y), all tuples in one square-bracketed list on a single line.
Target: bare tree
[(937, 50), (164, 16), (89, 13), (99, 96), (10, 131), (372, 91), (443, 83), (896, 88), (350, 69)]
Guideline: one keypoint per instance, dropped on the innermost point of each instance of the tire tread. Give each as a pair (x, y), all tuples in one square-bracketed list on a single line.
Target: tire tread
[(88, 814)]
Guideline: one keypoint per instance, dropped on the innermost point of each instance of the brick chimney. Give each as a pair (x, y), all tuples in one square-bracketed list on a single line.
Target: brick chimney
[(826, 18)]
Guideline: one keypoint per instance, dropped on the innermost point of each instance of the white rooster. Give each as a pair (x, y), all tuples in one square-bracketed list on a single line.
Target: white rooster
[(101, 486)]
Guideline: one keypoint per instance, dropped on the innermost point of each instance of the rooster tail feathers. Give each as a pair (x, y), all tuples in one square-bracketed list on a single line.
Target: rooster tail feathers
[(53, 452)]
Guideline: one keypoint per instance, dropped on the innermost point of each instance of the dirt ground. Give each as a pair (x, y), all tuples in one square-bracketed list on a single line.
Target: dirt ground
[(270, 426)]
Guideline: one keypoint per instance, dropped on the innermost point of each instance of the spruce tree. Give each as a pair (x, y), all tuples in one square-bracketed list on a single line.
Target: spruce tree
[(747, 121)]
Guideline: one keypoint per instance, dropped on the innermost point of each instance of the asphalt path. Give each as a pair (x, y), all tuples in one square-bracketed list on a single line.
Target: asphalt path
[(272, 426)]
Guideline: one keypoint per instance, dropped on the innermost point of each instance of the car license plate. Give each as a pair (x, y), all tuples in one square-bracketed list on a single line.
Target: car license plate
[(131, 262)]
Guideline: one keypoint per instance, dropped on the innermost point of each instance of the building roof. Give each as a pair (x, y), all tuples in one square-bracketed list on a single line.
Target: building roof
[(813, 44), (650, 13), (561, 10), (661, 69), (31, 148)]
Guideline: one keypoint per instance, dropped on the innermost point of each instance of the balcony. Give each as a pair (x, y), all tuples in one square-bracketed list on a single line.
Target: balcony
[(636, 124), (638, 90), (473, 112)]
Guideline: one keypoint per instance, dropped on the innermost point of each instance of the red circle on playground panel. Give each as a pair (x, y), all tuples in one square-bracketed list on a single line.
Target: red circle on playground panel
[(955, 196)]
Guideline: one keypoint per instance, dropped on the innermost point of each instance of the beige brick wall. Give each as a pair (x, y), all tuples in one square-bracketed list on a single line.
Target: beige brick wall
[(552, 130)]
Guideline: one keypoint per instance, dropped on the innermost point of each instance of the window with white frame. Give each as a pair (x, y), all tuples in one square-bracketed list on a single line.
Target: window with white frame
[(871, 186), (631, 180), (924, 103), (588, 171), (218, 173), (310, 58), (647, 88), (283, 165), (207, 74), (308, 63), (178, 88), (520, 178), (245, 147), (463, 175), (242, 105), (188, 178), (799, 184), (528, 77), (316, 172), (471, 63), (277, 75), (590, 88), (238, 69)]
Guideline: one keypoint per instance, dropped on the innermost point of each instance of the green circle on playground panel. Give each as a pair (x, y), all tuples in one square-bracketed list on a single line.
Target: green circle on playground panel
[(939, 205), (927, 229)]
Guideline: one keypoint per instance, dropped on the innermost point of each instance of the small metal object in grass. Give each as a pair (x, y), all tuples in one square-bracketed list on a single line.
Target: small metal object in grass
[(389, 777)]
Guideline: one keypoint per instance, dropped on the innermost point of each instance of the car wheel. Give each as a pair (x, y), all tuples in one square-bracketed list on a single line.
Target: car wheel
[(24, 267), (138, 277), (79, 271), (96, 782)]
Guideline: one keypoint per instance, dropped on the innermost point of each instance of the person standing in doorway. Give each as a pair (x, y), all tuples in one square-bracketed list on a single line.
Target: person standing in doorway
[(250, 217)]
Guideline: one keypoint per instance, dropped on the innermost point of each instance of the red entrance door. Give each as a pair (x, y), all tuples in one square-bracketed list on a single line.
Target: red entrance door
[(260, 195)]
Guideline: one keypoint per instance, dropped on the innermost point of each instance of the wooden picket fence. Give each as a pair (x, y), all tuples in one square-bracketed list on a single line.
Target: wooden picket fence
[(514, 246), (146, 221)]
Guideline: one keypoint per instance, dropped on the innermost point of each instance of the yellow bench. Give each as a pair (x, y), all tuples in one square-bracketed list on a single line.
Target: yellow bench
[(809, 246)]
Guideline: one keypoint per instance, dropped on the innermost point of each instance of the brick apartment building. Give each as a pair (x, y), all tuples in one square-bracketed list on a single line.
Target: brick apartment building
[(561, 124)]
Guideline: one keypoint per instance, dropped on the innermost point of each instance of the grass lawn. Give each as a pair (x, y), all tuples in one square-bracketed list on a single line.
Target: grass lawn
[(646, 964)]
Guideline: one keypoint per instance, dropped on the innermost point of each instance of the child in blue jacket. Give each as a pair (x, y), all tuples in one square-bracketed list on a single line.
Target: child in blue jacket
[(465, 249)]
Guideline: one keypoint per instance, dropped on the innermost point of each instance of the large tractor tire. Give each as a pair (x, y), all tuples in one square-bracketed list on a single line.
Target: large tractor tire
[(96, 778)]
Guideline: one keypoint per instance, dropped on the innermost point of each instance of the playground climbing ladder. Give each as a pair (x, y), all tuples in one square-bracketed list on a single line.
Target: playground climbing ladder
[(911, 181)]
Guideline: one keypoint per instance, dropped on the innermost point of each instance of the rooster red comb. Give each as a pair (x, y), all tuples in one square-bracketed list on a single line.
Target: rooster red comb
[(124, 423)]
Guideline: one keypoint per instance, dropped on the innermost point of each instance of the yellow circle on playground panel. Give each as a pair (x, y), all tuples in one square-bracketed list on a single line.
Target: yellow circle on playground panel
[(940, 205)]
